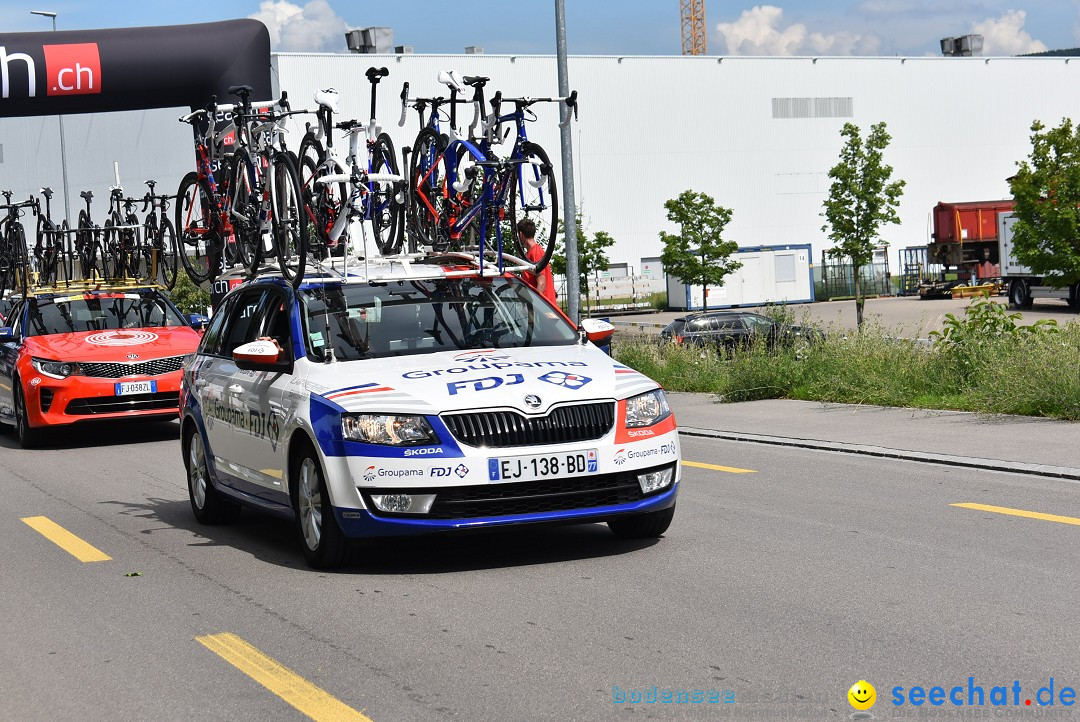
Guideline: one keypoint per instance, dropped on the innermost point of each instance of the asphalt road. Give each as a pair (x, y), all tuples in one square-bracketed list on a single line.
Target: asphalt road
[(784, 585)]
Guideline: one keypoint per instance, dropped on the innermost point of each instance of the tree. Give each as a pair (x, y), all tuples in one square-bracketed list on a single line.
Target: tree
[(698, 255), (1046, 191), (592, 254), (188, 297), (861, 199)]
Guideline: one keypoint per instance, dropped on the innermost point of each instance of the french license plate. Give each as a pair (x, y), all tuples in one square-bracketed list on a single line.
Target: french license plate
[(542, 466), (127, 388)]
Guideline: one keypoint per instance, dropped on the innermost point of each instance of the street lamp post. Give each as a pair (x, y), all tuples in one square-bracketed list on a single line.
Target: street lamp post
[(63, 145)]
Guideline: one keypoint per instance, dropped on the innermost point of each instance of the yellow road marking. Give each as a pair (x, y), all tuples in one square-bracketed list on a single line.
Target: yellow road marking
[(64, 539), (1021, 512), (717, 467), (294, 689)]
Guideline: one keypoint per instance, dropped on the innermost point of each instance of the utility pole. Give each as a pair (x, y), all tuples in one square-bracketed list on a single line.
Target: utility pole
[(63, 145), (573, 281)]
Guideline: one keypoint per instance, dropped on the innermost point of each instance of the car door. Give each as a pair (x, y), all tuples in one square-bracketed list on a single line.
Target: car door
[(9, 357), (257, 454), (215, 382)]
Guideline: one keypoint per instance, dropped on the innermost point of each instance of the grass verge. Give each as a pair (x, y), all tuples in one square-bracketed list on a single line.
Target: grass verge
[(1035, 374)]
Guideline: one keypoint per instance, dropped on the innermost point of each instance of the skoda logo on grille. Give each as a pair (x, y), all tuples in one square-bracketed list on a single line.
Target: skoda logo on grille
[(532, 401), (133, 356)]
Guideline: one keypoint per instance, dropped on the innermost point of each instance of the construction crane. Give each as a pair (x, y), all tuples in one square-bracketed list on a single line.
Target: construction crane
[(693, 27)]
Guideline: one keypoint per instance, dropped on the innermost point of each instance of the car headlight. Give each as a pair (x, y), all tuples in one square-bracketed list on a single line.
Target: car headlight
[(55, 369), (647, 409), (388, 429)]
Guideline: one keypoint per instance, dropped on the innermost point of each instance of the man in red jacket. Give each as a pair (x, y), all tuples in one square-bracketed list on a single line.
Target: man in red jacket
[(544, 283)]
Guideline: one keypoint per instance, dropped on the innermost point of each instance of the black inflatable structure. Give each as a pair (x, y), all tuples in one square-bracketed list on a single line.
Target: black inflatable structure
[(93, 71)]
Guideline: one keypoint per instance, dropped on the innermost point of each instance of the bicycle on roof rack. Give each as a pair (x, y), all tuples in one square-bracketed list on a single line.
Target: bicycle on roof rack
[(88, 250), (50, 248), (463, 196), (14, 262), (121, 230), (158, 249), (383, 203), (265, 200)]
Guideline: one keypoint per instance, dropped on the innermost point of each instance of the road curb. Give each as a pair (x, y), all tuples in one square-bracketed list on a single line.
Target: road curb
[(1066, 473)]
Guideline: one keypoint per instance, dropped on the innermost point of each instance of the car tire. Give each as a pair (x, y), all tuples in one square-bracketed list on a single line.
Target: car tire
[(648, 525), (207, 504), (29, 437), (322, 540)]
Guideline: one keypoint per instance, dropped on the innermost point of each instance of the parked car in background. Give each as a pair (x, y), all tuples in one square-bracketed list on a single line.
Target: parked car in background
[(731, 329)]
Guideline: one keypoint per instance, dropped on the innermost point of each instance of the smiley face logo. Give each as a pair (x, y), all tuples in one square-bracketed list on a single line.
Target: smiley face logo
[(862, 695)]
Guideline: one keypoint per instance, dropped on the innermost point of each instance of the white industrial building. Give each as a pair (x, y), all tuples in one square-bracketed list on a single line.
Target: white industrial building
[(759, 134)]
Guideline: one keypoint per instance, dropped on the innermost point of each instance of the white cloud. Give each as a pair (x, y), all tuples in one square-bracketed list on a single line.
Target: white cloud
[(760, 31), (313, 27), (1006, 35)]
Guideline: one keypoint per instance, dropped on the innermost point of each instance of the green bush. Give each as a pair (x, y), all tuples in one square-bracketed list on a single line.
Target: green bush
[(982, 362)]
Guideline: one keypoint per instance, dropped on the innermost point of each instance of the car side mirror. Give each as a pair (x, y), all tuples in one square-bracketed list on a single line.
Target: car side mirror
[(261, 356), (597, 331), (7, 335)]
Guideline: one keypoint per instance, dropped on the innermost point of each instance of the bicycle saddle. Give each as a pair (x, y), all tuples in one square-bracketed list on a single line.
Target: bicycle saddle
[(7, 195), (151, 183), (47, 192), (450, 79), (241, 90), (328, 99), (475, 81), (87, 195), (375, 74)]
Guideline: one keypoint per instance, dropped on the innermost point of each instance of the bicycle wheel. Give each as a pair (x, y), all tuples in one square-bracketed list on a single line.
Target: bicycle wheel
[(199, 240), (242, 207), (289, 220), (64, 260), (325, 202), (21, 257), (6, 273), (132, 249), (112, 259), (85, 246), (44, 251), (429, 202), (386, 208), (534, 195), (164, 250)]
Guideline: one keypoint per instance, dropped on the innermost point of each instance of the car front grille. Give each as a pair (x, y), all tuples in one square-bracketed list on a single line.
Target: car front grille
[(528, 497), (139, 368), (160, 401), (500, 429)]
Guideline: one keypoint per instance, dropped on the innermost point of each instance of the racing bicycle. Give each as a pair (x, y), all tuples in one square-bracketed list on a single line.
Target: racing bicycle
[(88, 249), (158, 248), (50, 252)]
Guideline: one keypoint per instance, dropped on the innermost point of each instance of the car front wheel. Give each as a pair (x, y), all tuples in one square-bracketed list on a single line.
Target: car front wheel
[(29, 437), (323, 542), (209, 506)]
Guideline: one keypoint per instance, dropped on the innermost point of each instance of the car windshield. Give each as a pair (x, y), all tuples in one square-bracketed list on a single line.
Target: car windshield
[(403, 318), (99, 312)]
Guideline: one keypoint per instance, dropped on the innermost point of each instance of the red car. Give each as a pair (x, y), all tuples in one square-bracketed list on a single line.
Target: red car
[(103, 354)]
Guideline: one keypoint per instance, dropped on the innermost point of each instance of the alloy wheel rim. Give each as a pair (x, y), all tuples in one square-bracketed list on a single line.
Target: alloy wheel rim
[(197, 472), (310, 499)]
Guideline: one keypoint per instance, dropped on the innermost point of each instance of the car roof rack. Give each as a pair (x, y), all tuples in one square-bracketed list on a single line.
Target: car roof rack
[(399, 267), (83, 286)]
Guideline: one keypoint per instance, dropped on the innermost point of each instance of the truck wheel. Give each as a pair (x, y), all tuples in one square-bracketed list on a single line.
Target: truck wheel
[(1074, 297), (1019, 296)]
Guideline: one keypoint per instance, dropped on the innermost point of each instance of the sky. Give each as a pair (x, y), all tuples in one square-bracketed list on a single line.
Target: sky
[(602, 27)]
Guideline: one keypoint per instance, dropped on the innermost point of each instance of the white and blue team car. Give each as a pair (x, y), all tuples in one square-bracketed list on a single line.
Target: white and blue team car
[(427, 398)]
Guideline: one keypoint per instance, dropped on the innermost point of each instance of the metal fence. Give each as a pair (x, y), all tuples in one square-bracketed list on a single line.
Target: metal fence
[(837, 279)]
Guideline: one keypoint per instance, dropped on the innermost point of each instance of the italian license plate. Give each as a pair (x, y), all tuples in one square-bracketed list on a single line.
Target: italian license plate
[(127, 388), (542, 466)]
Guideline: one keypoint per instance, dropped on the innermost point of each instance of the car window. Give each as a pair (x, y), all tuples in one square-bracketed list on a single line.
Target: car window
[(274, 321), (698, 324), (99, 312), (759, 324), (728, 323), (211, 341), (404, 318), (243, 324), (675, 327)]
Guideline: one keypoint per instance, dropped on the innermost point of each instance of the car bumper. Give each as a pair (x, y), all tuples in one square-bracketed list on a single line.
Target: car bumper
[(362, 523), (59, 402)]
